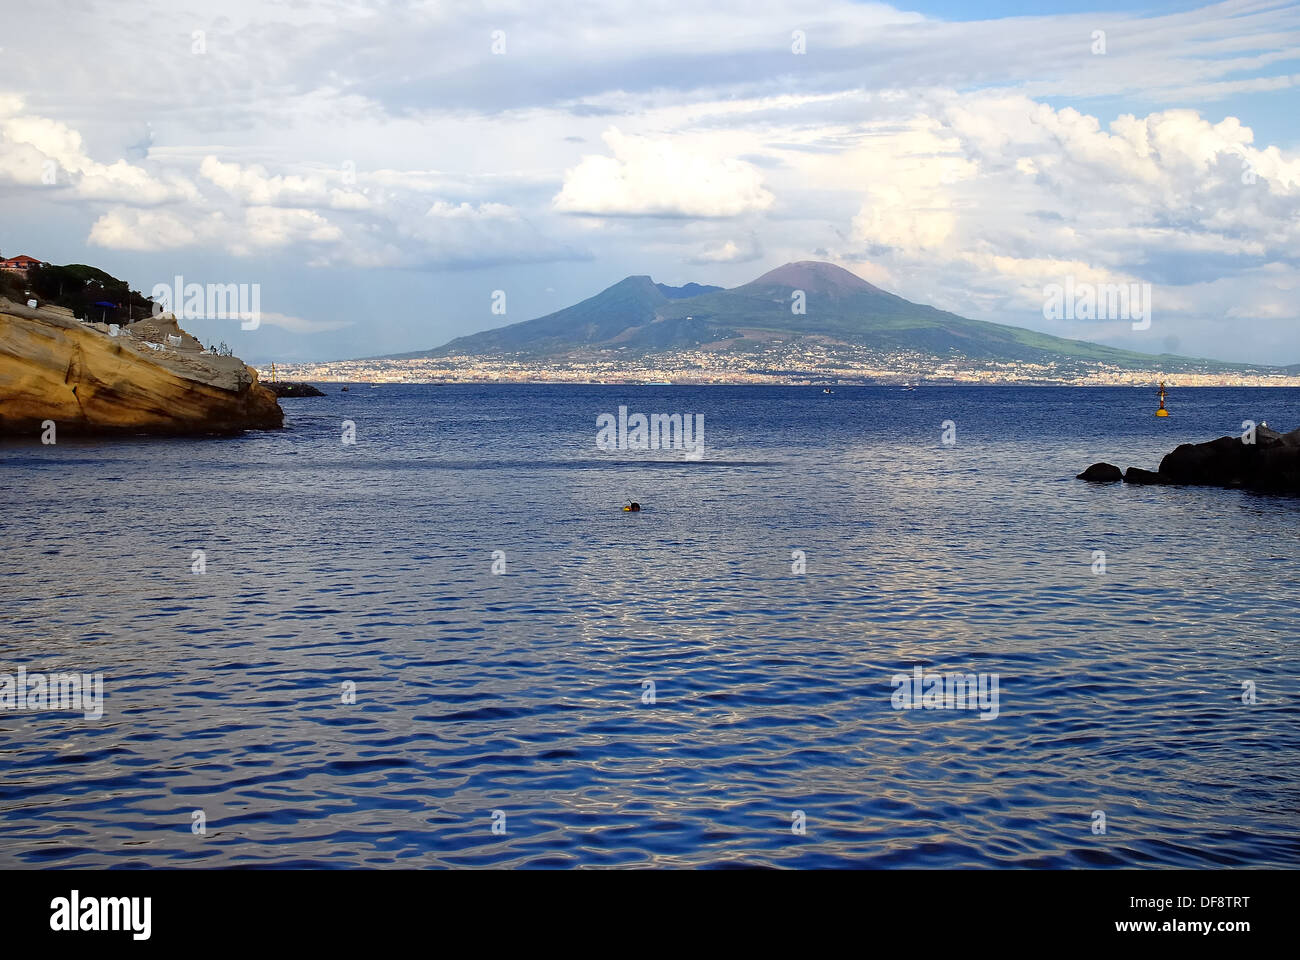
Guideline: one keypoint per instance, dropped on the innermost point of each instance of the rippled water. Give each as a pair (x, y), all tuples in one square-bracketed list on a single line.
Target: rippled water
[(523, 692)]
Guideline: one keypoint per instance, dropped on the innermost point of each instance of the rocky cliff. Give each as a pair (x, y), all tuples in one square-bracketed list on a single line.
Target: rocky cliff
[(151, 377)]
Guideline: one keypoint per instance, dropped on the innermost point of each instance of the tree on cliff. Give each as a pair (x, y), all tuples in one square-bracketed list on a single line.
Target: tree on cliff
[(79, 287), (13, 286)]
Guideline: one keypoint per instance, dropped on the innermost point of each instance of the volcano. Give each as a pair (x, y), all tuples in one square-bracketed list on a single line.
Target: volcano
[(803, 299)]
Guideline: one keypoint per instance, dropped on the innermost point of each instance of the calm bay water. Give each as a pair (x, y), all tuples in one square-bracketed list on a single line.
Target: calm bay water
[(523, 692)]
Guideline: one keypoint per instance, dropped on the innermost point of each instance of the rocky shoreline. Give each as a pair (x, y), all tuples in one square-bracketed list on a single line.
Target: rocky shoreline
[(147, 377), (289, 388), (1260, 459)]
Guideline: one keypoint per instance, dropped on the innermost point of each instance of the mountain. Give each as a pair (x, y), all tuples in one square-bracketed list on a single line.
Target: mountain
[(842, 306), (629, 304), (686, 290), (625, 313), (839, 307)]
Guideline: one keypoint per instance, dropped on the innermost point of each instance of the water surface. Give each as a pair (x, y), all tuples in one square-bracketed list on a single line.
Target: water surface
[(522, 692)]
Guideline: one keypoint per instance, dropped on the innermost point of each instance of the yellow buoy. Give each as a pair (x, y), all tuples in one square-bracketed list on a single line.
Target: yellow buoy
[(1162, 412)]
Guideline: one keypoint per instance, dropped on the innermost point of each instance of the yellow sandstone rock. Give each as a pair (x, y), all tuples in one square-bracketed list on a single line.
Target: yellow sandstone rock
[(150, 378)]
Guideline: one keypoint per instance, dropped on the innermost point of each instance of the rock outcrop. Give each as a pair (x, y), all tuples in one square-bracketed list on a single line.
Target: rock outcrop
[(1271, 463), (1101, 473), (1266, 461), (1140, 476), (289, 388), (151, 377)]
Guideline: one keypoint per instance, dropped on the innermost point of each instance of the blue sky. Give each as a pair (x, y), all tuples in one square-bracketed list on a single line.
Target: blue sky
[(380, 169)]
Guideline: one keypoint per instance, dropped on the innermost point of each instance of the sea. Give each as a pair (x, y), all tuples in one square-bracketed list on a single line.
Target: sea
[(416, 628)]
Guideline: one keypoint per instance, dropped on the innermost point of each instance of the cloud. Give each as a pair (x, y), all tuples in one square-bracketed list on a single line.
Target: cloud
[(324, 215), (253, 185), (661, 177), (468, 211), (122, 181), (747, 250), (274, 227), (260, 229), (123, 228), (977, 201), (38, 151), (330, 218), (299, 325)]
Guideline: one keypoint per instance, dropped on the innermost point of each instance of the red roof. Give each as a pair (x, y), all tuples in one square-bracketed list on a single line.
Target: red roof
[(21, 258)]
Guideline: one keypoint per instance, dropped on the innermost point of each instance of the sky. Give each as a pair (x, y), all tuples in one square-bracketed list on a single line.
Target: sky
[(380, 169)]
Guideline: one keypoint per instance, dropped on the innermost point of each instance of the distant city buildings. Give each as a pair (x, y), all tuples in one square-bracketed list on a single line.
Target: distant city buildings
[(796, 362)]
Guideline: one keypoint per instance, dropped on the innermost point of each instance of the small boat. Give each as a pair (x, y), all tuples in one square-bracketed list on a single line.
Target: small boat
[(827, 390)]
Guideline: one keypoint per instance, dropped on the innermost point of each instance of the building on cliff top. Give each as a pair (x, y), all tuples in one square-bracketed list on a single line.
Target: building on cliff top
[(21, 263)]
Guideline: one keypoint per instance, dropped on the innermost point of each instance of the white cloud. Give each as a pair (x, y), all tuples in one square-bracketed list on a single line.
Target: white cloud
[(252, 185), (123, 228), (37, 151), (276, 227), (467, 211), (730, 251), (121, 181), (661, 177), (300, 325), (980, 200)]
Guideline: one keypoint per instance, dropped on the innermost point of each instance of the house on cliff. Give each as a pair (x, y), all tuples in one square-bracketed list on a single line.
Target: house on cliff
[(21, 264)]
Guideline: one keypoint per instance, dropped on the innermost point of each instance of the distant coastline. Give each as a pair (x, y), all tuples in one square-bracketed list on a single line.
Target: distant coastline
[(940, 372)]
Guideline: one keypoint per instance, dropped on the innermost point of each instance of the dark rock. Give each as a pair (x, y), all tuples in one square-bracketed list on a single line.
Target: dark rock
[(1271, 463), (1101, 473), (286, 388), (1138, 475)]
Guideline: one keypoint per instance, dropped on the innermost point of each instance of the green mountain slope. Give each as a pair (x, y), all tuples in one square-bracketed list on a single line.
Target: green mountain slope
[(639, 315), (628, 304), (842, 306)]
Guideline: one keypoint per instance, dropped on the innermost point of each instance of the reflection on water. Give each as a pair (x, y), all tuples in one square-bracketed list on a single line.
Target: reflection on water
[(523, 692)]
